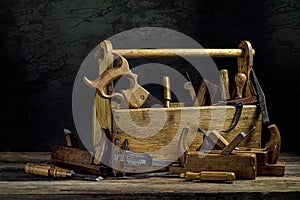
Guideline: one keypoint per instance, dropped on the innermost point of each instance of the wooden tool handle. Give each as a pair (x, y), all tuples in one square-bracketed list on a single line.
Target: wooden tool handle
[(201, 94), (225, 84), (135, 96), (217, 139), (274, 144), (210, 176), (240, 80), (167, 90), (41, 170), (46, 170)]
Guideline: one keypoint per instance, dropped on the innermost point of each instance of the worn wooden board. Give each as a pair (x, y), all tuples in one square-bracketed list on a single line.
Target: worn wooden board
[(78, 159), (16, 184), (157, 130)]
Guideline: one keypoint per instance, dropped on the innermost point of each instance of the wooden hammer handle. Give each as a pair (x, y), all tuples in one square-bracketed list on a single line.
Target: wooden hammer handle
[(274, 144)]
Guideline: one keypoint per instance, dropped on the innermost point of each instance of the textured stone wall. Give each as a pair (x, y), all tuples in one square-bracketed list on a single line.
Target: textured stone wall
[(43, 43)]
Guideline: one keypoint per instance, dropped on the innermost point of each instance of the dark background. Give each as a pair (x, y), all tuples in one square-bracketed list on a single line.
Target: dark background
[(43, 43)]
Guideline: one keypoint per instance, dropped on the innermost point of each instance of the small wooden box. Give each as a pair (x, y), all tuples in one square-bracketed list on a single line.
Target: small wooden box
[(157, 130)]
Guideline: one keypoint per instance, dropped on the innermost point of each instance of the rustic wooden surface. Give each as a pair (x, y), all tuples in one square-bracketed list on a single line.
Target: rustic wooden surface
[(16, 184), (158, 132)]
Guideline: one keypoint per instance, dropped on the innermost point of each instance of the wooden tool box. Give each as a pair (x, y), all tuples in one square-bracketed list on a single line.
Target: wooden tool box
[(176, 118), (123, 127)]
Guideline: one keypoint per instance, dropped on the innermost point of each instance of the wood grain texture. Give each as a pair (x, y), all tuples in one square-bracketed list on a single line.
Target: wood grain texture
[(19, 185), (157, 130), (243, 165)]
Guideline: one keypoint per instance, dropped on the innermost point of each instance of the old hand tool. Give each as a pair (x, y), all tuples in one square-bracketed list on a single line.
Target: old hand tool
[(213, 138), (128, 161), (71, 139), (224, 84), (236, 141), (240, 81), (261, 99), (201, 94), (274, 144), (183, 146), (167, 91), (238, 112), (210, 176), (189, 86), (135, 97), (48, 170)]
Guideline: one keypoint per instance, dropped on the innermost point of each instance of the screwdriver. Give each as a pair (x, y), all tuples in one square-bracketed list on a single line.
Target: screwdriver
[(210, 176), (48, 170)]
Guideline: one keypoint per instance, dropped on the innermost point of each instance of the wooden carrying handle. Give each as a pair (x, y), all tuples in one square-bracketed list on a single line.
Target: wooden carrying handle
[(167, 53)]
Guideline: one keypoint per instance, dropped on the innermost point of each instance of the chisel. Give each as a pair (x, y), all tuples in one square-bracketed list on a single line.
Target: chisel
[(48, 170), (210, 176)]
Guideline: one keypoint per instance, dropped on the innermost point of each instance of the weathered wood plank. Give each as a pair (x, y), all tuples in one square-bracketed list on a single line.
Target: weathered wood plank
[(23, 157), (35, 187), (159, 129)]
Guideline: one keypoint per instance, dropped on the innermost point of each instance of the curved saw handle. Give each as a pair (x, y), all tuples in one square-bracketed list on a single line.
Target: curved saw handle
[(135, 96)]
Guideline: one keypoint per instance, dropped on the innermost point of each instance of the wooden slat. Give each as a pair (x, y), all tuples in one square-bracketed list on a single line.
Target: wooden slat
[(27, 186), (128, 122)]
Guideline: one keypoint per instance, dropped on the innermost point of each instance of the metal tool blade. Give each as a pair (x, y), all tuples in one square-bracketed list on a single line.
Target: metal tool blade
[(86, 177), (238, 112), (237, 115), (261, 99), (236, 141)]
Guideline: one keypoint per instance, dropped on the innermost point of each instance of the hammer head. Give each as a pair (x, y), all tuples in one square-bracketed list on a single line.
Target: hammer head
[(274, 144)]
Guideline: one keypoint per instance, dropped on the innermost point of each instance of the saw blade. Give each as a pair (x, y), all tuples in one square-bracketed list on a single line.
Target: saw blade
[(261, 99)]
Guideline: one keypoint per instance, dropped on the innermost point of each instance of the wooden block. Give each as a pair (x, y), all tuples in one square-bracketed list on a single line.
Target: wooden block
[(276, 169), (159, 129), (77, 159), (263, 167), (243, 164)]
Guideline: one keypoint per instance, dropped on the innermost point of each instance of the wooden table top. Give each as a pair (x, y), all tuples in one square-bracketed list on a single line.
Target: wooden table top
[(15, 183)]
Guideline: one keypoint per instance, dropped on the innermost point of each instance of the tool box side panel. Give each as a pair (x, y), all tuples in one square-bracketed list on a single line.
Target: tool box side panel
[(159, 129)]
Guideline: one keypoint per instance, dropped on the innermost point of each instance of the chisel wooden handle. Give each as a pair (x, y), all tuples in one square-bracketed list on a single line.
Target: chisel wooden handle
[(47, 170), (210, 176)]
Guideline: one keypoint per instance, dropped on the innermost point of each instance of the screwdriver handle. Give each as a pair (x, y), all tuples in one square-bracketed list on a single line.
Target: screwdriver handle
[(47, 170), (210, 176)]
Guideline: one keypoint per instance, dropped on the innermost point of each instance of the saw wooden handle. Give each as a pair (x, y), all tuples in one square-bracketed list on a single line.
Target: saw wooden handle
[(135, 96), (210, 176)]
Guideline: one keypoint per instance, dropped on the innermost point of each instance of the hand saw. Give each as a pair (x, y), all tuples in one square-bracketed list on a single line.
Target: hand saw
[(135, 97)]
